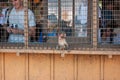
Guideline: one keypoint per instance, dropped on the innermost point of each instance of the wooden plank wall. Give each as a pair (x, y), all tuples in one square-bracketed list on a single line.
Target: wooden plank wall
[(54, 67)]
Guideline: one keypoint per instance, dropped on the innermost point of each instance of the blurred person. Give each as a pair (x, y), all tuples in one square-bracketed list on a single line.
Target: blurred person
[(16, 22), (107, 34), (99, 16), (107, 13), (82, 19), (3, 9), (107, 18)]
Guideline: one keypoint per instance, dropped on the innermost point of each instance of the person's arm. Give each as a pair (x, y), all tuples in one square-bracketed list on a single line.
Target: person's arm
[(32, 31), (32, 23), (12, 30), (17, 31), (8, 29)]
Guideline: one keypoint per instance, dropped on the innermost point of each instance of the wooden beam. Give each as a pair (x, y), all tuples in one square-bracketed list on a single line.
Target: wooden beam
[(26, 23), (94, 23), (3, 66), (75, 67), (27, 66), (107, 52), (52, 67), (102, 67)]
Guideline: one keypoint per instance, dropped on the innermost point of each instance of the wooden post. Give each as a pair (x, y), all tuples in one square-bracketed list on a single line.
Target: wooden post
[(52, 67), (3, 66), (76, 67), (101, 67), (27, 66), (26, 22), (94, 24)]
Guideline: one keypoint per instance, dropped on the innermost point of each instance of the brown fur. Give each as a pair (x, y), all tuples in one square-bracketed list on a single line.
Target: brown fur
[(62, 43)]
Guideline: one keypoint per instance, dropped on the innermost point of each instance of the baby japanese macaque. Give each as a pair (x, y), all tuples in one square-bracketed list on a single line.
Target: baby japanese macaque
[(62, 43)]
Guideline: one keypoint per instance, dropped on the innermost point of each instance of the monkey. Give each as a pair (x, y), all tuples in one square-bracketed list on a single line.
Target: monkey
[(62, 43)]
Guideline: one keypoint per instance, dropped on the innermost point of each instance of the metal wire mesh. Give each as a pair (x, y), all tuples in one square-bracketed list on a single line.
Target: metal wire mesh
[(39, 23), (109, 23), (63, 16)]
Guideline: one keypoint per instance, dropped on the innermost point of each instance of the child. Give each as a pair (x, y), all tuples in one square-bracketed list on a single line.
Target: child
[(107, 34)]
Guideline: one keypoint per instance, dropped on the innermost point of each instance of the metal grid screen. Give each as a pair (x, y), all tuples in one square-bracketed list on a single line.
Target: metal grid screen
[(109, 23), (66, 17), (58, 24)]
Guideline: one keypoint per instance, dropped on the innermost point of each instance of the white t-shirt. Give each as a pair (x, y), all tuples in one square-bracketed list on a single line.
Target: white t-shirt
[(83, 11), (18, 19), (99, 12)]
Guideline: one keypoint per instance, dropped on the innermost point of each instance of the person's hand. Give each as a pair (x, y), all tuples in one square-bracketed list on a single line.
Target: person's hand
[(15, 31), (9, 29)]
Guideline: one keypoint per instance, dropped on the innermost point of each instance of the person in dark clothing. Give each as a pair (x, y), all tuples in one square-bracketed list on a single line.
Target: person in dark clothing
[(3, 9), (107, 13), (108, 33), (108, 20)]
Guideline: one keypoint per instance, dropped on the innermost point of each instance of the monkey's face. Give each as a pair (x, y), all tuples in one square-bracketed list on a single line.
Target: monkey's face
[(62, 41), (62, 35)]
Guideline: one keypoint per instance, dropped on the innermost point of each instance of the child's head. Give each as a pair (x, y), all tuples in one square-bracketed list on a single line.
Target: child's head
[(109, 29)]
